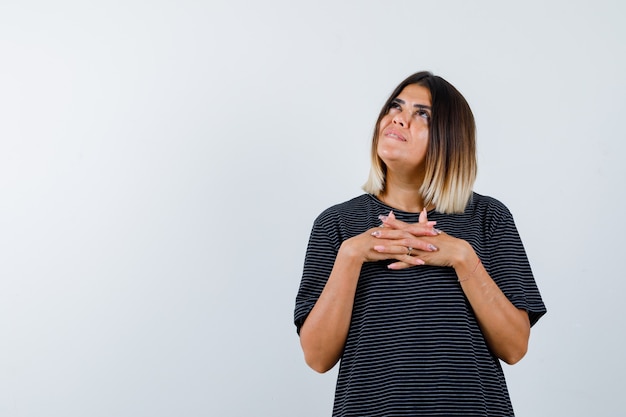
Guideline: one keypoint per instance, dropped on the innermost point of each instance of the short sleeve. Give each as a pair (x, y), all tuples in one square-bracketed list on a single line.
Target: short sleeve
[(507, 264), (324, 243)]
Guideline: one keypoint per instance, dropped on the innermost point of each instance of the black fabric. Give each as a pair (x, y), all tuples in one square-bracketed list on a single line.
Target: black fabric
[(414, 347)]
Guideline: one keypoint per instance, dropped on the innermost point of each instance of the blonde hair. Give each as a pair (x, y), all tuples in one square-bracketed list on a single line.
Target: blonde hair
[(451, 165)]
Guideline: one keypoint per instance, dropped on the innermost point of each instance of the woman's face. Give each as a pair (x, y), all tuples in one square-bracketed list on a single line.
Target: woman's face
[(404, 130)]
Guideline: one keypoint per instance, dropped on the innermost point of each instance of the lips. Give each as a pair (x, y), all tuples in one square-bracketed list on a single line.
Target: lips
[(394, 134)]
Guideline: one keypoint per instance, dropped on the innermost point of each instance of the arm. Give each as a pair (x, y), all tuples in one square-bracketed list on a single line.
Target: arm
[(505, 327), (324, 332), (325, 329)]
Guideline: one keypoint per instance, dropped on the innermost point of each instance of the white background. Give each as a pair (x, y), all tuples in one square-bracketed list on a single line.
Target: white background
[(161, 164)]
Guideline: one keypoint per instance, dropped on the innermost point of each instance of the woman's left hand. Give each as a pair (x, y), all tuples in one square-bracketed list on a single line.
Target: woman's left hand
[(447, 250), (506, 328)]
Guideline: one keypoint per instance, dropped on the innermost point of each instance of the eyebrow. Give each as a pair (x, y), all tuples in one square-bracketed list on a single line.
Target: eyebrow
[(417, 106)]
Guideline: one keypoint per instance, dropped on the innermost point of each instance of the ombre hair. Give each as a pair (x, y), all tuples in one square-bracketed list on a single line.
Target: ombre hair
[(450, 162)]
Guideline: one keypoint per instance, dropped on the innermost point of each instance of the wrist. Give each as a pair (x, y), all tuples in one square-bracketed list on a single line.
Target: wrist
[(465, 258), (471, 274), (350, 253), (466, 263)]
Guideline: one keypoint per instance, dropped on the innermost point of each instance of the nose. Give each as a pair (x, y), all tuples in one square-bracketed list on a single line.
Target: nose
[(400, 119)]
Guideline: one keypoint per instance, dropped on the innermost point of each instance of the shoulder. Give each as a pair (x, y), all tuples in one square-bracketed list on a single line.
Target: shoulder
[(356, 205), (350, 217), (487, 206), (494, 216)]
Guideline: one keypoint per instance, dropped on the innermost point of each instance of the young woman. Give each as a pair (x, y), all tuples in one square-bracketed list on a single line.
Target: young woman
[(420, 286)]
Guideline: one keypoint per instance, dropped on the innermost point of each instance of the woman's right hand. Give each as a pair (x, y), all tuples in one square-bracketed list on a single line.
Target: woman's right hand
[(324, 332), (397, 243)]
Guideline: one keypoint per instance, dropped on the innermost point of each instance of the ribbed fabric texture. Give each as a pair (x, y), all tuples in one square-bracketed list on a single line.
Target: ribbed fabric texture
[(414, 347)]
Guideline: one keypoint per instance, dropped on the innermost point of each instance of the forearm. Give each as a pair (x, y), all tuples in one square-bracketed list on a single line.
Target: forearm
[(324, 332), (505, 327)]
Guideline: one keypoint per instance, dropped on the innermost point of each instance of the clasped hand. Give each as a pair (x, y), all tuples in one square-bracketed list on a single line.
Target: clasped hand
[(411, 244)]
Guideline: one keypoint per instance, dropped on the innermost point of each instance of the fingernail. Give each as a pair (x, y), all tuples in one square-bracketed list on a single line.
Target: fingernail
[(437, 231), (376, 233), (383, 218), (432, 247)]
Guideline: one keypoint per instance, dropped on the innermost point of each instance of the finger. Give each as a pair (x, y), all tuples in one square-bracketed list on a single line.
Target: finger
[(401, 253), (404, 232), (383, 218), (391, 239), (390, 234), (392, 249), (396, 266), (424, 227), (391, 221), (423, 219)]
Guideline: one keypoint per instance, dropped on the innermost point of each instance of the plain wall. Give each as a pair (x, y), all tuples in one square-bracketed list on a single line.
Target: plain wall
[(161, 165)]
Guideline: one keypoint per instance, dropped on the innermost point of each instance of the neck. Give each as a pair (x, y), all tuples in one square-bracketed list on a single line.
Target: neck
[(405, 198)]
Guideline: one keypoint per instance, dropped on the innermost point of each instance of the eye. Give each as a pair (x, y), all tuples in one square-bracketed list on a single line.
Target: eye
[(394, 105), (423, 113)]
